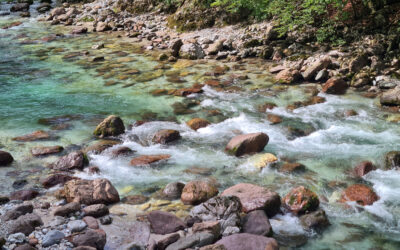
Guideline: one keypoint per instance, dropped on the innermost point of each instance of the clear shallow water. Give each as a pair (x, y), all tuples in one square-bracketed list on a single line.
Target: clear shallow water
[(41, 79)]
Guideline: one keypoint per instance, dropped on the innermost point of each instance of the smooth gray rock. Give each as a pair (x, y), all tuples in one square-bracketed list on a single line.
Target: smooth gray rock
[(76, 226), (52, 237)]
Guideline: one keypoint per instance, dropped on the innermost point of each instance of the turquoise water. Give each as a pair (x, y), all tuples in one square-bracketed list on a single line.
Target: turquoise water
[(43, 79)]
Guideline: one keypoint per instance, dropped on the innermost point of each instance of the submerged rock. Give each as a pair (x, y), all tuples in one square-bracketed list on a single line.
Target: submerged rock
[(301, 200), (41, 151), (166, 136), (164, 222), (196, 192), (35, 136), (91, 192), (360, 193), (111, 126), (248, 241), (392, 160), (247, 144), (144, 160), (5, 158), (197, 123)]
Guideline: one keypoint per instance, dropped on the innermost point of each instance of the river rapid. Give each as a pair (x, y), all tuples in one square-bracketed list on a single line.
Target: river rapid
[(45, 73)]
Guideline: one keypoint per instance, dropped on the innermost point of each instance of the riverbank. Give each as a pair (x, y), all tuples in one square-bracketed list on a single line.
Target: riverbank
[(165, 158)]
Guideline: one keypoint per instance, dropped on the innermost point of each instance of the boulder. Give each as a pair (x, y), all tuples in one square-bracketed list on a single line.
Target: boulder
[(17, 211), (111, 126), (257, 222), (360, 193), (319, 65), (253, 197), (175, 46), (173, 190), (196, 192), (5, 158), (191, 51), (166, 136), (96, 210), (197, 123), (74, 160), (363, 168), (247, 144), (165, 241), (335, 86), (164, 222), (56, 179), (24, 224), (20, 7), (248, 241), (223, 209), (140, 234), (288, 76), (91, 222), (35, 136), (316, 220), (41, 151), (24, 195), (52, 237), (391, 97), (90, 192), (301, 200), (144, 160), (67, 209), (392, 160), (91, 238)]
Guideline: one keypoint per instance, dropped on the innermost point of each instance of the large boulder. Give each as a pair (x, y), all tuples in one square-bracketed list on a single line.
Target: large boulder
[(392, 160), (248, 241), (359, 193), (91, 238), (335, 86), (247, 144), (5, 158), (164, 222), (224, 209), (111, 126), (191, 51), (391, 97), (253, 197), (196, 192), (166, 136), (301, 200), (74, 160), (197, 123), (312, 70), (90, 192), (257, 222)]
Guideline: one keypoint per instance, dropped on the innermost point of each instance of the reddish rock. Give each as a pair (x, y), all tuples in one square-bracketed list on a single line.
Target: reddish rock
[(187, 91), (335, 86), (274, 119), (301, 200), (90, 237), (166, 136), (164, 222), (35, 136), (148, 159), (122, 151), (24, 195), (350, 112), (56, 179), (243, 241), (91, 222), (5, 158), (363, 168), (213, 227), (196, 192), (40, 151), (288, 76), (312, 70), (359, 193), (292, 167), (74, 160), (90, 192), (253, 197), (247, 144), (197, 123)]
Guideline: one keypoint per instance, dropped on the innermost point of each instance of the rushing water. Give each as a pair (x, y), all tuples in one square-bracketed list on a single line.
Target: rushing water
[(43, 75)]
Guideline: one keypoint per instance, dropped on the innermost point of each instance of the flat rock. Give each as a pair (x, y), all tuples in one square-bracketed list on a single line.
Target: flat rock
[(257, 222), (248, 241), (247, 144), (41, 151), (164, 222), (144, 160), (35, 136)]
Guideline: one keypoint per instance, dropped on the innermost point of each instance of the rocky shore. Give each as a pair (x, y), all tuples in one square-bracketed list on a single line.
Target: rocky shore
[(67, 212)]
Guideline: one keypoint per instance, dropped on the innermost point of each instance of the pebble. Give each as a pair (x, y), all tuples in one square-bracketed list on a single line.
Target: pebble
[(76, 226)]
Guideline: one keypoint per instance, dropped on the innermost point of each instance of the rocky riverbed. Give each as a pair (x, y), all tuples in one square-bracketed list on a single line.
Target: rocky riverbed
[(121, 133)]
